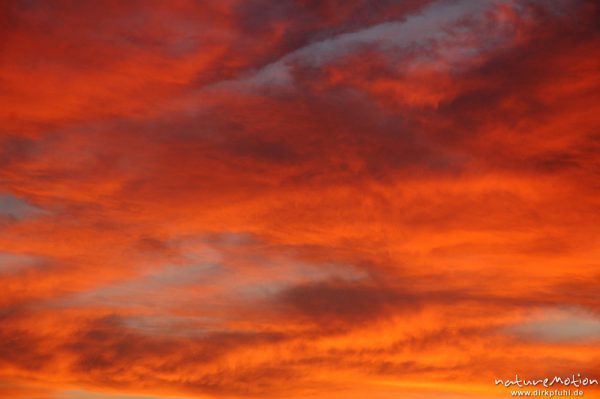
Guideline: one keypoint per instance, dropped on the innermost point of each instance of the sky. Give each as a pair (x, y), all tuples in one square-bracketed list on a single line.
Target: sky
[(298, 198)]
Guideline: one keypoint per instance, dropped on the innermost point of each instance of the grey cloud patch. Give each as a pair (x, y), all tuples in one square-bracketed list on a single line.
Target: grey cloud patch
[(151, 290), (416, 29), (11, 263), (15, 208), (430, 26), (559, 325), (171, 325)]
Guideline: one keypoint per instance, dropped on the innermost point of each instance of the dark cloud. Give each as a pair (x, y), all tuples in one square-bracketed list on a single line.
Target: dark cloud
[(351, 303)]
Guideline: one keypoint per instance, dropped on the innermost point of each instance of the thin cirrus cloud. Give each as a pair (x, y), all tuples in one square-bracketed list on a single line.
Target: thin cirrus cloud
[(13, 207), (297, 199), (560, 325)]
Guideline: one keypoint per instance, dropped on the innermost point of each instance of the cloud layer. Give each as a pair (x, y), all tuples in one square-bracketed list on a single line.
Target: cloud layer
[(328, 199)]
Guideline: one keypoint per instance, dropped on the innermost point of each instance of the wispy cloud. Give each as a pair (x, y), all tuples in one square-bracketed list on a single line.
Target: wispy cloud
[(16, 208), (296, 198), (560, 325)]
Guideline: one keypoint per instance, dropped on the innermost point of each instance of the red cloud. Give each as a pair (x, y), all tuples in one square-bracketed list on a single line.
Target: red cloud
[(357, 199)]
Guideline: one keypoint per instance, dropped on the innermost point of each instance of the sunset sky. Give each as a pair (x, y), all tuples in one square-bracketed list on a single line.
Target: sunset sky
[(327, 199)]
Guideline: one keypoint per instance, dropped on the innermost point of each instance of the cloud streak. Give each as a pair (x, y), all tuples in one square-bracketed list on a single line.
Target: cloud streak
[(297, 199)]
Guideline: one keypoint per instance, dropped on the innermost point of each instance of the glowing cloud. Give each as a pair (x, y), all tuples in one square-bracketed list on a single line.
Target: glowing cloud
[(297, 198)]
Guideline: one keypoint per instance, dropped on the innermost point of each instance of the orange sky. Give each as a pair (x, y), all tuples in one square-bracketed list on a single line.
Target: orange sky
[(298, 198)]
